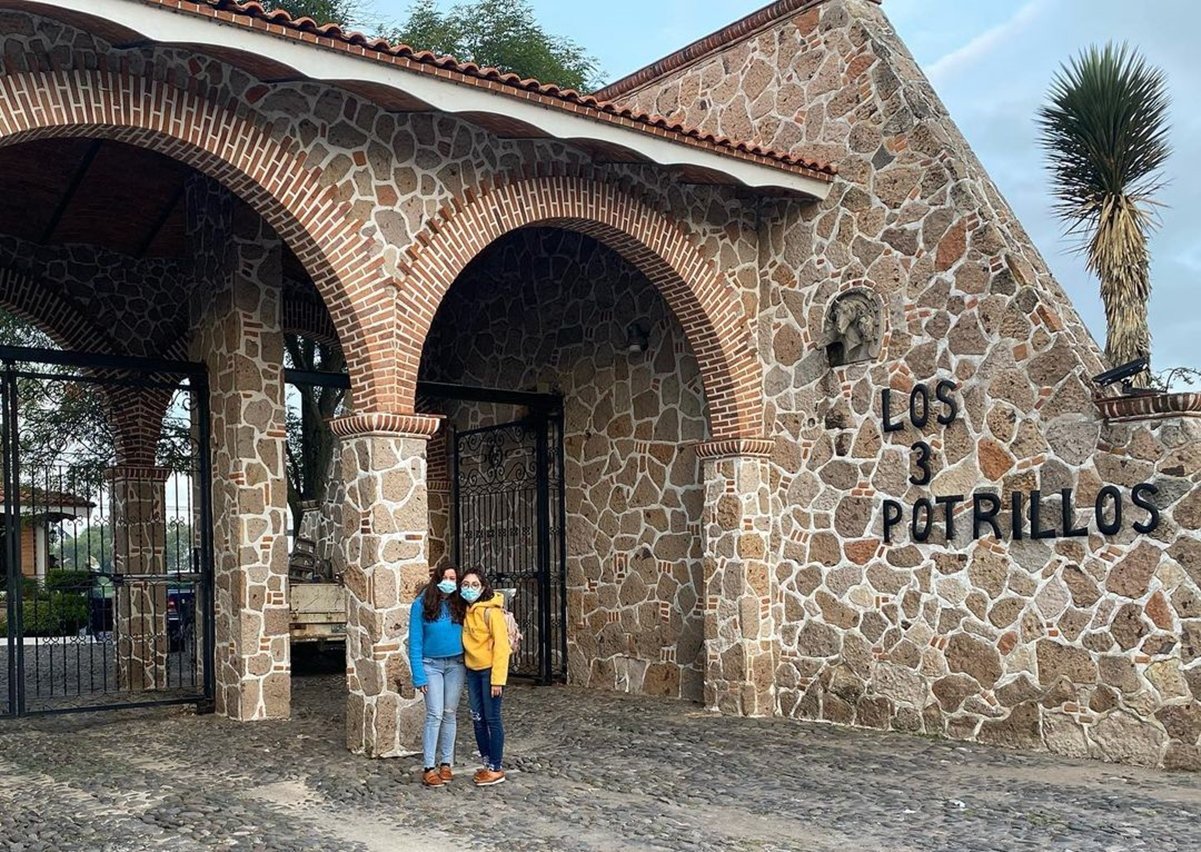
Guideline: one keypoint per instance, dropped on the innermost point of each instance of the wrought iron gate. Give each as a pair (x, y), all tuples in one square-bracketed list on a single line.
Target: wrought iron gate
[(106, 542), (509, 514)]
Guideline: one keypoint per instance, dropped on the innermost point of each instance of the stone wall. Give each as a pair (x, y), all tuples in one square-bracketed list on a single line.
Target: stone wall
[(1081, 644), (95, 300), (549, 310)]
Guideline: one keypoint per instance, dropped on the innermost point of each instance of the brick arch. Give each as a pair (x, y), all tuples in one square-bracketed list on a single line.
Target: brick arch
[(696, 291), (308, 319), (227, 142), (66, 325), (136, 415)]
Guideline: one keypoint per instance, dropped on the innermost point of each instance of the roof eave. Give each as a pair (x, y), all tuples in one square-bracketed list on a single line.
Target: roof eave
[(339, 64)]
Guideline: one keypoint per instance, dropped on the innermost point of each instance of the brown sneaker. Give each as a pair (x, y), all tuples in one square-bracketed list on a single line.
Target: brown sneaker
[(432, 778), (479, 773), (486, 778), (445, 774)]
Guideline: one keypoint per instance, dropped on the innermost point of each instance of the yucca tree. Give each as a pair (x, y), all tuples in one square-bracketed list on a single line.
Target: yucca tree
[(1105, 132)]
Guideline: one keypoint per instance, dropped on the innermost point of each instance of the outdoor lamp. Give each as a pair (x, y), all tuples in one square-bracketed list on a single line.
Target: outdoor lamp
[(636, 338)]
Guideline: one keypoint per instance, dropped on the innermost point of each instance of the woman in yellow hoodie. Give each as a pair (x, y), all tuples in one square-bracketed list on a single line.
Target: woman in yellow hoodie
[(486, 653)]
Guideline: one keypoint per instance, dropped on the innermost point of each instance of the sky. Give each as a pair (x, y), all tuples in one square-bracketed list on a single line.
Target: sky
[(991, 62)]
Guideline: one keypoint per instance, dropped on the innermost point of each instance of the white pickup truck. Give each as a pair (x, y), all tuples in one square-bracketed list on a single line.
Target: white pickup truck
[(317, 603), (318, 612)]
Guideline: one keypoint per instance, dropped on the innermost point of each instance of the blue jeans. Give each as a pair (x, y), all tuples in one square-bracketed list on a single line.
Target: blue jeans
[(485, 715), (444, 684)]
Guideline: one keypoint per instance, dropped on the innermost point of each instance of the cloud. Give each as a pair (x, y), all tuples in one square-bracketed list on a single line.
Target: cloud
[(985, 43)]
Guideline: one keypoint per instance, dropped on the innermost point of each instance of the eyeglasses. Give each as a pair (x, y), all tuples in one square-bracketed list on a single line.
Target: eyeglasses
[(472, 586)]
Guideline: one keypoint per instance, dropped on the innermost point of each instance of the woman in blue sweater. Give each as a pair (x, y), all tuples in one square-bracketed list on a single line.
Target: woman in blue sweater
[(436, 659)]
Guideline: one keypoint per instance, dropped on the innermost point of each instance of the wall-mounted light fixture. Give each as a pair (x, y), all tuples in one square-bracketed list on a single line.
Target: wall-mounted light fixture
[(637, 338)]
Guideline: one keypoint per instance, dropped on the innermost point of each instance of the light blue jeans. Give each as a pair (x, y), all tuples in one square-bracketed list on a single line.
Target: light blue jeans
[(444, 684)]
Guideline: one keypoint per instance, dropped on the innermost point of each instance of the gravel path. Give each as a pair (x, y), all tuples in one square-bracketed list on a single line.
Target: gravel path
[(589, 771)]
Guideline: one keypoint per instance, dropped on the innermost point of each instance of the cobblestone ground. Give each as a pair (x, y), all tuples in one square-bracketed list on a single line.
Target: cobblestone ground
[(589, 771)]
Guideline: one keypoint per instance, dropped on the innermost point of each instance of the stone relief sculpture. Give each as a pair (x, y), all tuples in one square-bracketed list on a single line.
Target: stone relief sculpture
[(854, 328)]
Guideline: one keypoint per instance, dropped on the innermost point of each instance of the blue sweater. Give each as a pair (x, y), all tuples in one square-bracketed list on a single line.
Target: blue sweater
[(440, 638)]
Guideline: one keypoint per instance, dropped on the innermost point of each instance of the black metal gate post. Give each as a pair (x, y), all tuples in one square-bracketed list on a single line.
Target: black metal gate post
[(12, 545), (206, 567), (545, 612)]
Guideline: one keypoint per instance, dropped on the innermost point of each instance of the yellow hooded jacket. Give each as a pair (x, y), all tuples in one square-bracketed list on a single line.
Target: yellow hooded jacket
[(486, 639)]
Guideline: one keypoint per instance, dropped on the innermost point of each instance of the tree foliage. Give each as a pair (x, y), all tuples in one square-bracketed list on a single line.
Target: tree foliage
[(344, 13), (1105, 132), (310, 443), (503, 34), (499, 33)]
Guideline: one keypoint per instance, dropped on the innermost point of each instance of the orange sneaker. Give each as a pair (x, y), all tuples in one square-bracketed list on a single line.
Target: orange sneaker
[(445, 774), (487, 777), (432, 778)]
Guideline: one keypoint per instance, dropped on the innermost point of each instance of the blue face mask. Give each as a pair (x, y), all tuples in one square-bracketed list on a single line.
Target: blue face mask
[(470, 595), (446, 586)]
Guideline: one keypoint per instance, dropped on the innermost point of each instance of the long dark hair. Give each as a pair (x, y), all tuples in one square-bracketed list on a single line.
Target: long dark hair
[(458, 606), (431, 605)]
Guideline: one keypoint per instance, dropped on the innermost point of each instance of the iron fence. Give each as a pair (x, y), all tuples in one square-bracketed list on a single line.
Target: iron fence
[(106, 537)]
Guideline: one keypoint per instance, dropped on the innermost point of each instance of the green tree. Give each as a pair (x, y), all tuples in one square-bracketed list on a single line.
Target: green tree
[(344, 13), (1105, 132), (310, 443), (502, 34)]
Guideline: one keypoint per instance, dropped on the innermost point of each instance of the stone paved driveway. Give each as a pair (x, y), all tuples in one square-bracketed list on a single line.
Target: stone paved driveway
[(590, 771)]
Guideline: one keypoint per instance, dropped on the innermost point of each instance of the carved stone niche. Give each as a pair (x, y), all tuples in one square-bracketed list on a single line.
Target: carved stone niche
[(854, 328)]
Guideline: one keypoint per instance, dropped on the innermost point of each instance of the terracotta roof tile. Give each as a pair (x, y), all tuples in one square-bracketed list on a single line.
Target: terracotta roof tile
[(578, 102)]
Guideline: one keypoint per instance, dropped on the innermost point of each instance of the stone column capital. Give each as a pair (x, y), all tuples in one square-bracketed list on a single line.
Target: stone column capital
[(387, 424), (753, 448)]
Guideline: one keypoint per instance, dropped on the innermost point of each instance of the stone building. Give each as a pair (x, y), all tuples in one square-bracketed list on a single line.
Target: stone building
[(830, 449)]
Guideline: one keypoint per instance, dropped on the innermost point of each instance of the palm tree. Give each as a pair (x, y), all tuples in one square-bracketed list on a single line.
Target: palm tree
[(1105, 132)]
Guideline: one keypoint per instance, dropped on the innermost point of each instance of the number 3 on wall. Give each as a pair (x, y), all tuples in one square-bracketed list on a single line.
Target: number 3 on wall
[(922, 462)]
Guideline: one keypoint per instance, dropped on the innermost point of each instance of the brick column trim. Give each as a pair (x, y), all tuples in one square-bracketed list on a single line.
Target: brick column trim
[(383, 555), (386, 424), (736, 448)]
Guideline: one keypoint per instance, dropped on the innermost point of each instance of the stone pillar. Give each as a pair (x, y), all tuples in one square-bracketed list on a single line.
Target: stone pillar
[(384, 559), (740, 589), (236, 332), (138, 494)]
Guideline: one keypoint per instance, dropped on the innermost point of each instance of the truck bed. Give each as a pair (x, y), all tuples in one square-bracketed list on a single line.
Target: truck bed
[(318, 612)]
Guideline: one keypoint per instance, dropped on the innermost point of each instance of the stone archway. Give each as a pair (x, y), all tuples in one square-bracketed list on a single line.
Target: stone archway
[(740, 607), (695, 289), (240, 152), (55, 317), (234, 152)]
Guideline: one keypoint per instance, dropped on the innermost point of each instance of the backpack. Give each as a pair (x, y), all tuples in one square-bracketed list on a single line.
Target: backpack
[(511, 628)]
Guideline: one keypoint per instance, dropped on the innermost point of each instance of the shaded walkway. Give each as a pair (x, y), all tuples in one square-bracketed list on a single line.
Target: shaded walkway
[(591, 771)]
